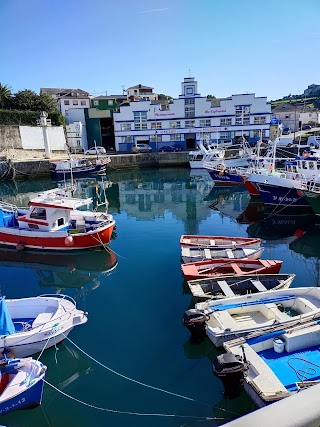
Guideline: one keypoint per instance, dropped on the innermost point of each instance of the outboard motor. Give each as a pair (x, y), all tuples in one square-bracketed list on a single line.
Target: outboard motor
[(195, 321), (229, 368)]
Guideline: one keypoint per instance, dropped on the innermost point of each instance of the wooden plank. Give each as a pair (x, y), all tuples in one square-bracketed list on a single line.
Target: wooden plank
[(207, 253), (236, 268), (225, 288), (258, 285), (230, 253), (212, 242)]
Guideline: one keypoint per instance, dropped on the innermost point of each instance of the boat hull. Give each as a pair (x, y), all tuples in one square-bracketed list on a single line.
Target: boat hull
[(219, 242), (225, 177), (97, 169), (252, 189), (281, 196), (29, 399), (56, 241), (313, 200)]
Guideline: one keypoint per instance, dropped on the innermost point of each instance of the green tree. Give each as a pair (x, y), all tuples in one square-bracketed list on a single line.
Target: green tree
[(211, 97), (26, 100), (5, 96)]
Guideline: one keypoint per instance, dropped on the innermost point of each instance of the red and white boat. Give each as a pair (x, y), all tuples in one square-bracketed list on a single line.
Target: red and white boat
[(219, 242), (224, 267), (53, 222)]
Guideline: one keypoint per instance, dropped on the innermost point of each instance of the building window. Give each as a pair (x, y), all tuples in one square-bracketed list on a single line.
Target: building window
[(125, 126), (95, 103), (176, 137), (75, 102), (225, 135), (189, 108), (155, 138), (38, 213), (205, 123), (257, 133), (226, 122), (140, 120), (287, 116), (156, 125), (175, 124), (127, 139), (110, 102), (260, 120), (66, 102), (242, 114), (66, 113), (78, 142), (164, 107), (190, 123), (83, 102)]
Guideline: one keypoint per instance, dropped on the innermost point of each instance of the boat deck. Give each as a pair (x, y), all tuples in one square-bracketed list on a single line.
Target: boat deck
[(290, 368)]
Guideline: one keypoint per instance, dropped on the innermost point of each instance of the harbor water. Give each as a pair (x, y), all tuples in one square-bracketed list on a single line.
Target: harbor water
[(136, 296)]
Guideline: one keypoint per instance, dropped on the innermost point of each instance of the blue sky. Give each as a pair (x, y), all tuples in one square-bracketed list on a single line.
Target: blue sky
[(270, 47)]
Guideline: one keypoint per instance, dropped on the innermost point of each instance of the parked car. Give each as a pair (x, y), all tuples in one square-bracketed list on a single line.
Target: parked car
[(141, 148), (179, 147), (168, 148), (306, 127), (96, 150), (286, 131)]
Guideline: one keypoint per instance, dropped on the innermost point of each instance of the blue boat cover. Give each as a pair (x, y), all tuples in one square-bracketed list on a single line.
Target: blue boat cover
[(6, 323)]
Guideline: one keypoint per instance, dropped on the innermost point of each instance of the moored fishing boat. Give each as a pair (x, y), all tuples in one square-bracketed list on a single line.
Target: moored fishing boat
[(73, 168), (31, 324), (225, 267), (230, 286), (222, 175), (21, 384), (53, 222), (274, 365), (222, 242), (241, 315), (194, 254)]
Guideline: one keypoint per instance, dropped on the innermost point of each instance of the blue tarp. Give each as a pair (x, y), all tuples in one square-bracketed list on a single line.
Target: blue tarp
[(6, 324)]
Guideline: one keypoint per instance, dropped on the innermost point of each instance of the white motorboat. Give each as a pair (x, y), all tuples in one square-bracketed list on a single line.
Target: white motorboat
[(28, 325), (241, 315)]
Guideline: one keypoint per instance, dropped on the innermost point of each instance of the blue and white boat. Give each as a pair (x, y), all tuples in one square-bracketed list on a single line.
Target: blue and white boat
[(274, 365), (74, 168), (21, 384), (283, 187), (28, 325), (239, 316), (222, 175)]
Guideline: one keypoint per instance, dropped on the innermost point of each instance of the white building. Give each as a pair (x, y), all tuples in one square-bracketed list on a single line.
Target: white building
[(141, 92), (68, 98), (186, 120)]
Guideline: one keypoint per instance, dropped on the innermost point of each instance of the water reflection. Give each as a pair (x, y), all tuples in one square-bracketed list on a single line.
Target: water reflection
[(62, 271), (308, 243)]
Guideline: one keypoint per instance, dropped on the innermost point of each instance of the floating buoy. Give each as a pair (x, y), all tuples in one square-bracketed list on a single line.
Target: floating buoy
[(68, 241), (20, 246), (299, 232)]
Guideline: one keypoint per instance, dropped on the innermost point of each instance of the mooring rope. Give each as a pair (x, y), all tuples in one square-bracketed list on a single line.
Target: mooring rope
[(129, 412), (133, 380)]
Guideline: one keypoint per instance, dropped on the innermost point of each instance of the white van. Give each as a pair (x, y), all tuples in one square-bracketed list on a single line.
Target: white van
[(314, 141)]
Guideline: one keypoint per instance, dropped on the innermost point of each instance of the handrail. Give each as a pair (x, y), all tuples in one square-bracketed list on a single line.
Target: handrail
[(61, 296)]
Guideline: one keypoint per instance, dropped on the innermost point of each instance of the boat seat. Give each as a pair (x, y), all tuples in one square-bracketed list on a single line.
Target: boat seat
[(14, 386), (207, 253), (225, 288), (212, 242), (258, 285), (42, 319), (230, 253), (197, 290), (226, 321), (236, 268)]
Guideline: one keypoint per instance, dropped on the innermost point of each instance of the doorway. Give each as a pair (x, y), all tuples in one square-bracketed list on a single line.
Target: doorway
[(190, 140)]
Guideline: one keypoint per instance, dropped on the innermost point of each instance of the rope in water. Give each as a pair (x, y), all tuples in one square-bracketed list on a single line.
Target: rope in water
[(129, 412), (133, 380)]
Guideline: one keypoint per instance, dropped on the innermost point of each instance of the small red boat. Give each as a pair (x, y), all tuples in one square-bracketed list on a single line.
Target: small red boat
[(219, 242), (224, 267), (53, 222)]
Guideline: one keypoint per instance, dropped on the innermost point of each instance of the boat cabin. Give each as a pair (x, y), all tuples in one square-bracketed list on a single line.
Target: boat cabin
[(305, 165)]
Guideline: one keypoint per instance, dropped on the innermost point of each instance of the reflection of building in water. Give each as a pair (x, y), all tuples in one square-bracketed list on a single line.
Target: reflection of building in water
[(232, 204), (149, 194)]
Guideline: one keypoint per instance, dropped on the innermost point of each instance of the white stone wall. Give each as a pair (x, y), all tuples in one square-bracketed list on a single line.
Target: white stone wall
[(32, 138)]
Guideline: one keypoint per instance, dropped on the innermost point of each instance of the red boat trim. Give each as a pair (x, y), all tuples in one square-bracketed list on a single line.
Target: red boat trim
[(31, 221)]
